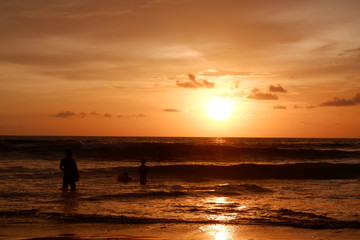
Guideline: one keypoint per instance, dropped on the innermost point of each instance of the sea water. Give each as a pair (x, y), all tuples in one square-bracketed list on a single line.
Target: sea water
[(301, 183)]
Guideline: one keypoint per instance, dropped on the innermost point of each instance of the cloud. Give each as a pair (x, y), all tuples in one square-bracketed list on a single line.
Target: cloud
[(140, 115), (82, 114), (64, 114), (257, 95), (220, 73), (172, 110), (342, 102), (354, 52), (357, 98), (67, 114), (279, 107), (193, 83), (277, 88), (94, 113)]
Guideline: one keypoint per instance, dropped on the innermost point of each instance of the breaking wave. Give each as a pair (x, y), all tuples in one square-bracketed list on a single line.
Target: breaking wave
[(281, 217)]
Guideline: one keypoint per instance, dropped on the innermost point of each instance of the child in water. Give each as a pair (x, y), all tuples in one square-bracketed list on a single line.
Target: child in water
[(143, 171), (124, 178)]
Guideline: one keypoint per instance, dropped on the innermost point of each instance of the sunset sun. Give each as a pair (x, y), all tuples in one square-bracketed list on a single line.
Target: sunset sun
[(219, 108)]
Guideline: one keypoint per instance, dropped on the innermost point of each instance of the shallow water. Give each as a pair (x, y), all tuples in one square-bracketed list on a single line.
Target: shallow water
[(190, 182)]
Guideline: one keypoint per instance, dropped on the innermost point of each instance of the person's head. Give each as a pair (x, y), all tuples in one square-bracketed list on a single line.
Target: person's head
[(143, 162), (68, 153)]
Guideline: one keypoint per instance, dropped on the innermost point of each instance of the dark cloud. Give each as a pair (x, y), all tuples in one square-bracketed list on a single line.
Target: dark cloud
[(67, 114), (338, 102), (342, 102), (279, 107), (64, 114), (94, 113), (257, 95), (193, 83), (82, 114), (172, 110), (357, 98), (277, 88)]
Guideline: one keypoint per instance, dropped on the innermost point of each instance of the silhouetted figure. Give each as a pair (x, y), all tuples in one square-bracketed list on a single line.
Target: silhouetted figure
[(71, 174), (124, 178), (143, 171)]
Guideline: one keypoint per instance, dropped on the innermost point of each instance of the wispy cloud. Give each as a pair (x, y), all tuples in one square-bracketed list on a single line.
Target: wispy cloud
[(221, 73), (279, 107), (342, 102), (354, 52), (191, 82), (140, 115), (172, 110)]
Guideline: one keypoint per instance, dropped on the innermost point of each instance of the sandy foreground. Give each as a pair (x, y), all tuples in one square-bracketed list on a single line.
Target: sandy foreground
[(91, 231)]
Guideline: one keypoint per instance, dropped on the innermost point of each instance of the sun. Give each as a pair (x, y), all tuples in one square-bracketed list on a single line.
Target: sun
[(220, 108)]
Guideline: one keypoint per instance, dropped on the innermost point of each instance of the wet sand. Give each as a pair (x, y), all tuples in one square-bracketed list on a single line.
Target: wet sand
[(89, 231)]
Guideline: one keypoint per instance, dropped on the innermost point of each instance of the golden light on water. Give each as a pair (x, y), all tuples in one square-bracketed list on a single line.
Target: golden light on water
[(219, 108), (219, 200), (218, 231), (220, 203)]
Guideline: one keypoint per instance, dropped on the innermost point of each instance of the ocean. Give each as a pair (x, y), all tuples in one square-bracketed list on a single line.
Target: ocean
[(292, 182)]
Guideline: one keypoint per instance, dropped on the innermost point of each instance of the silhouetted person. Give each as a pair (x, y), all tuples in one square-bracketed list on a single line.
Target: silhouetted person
[(71, 174), (124, 178), (143, 171)]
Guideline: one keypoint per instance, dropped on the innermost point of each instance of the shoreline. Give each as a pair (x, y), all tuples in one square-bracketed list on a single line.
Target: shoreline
[(97, 231)]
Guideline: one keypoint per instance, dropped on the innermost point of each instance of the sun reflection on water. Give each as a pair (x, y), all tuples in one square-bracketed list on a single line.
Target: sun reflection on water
[(218, 231), (221, 209)]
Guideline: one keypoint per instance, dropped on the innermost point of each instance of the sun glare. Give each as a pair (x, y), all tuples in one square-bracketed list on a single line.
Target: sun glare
[(219, 108)]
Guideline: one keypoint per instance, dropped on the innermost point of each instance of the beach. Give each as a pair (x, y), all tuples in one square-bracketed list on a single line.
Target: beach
[(197, 188)]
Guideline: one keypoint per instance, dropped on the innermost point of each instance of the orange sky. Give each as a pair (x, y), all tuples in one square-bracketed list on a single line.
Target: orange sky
[(150, 67)]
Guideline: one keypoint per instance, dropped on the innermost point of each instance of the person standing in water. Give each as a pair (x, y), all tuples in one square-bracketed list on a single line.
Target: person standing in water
[(143, 171), (71, 174)]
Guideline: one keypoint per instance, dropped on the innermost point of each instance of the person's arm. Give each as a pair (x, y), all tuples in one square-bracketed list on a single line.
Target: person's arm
[(62, 165)]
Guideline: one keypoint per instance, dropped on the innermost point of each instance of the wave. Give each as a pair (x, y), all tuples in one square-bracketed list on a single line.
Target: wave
[(230, 190), (320, 170), (148, 194), (179, 152), (190, 191), (179, 149), (20, 213), (262, 171), (281, 217)]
